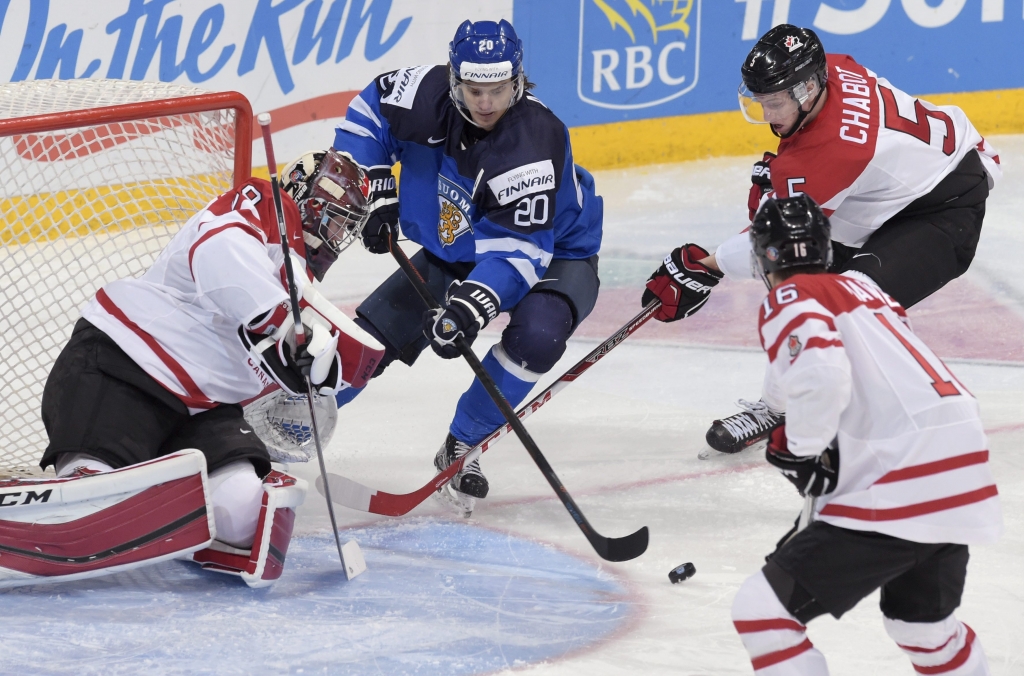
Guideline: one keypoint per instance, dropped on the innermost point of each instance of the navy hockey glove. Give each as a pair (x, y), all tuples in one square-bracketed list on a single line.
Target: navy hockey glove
[(471, 307), (382, 223), (814, 475), (761, 178), (681, 284)]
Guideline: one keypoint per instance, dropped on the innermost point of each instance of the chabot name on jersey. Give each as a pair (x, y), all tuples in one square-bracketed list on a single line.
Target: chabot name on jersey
[(524, 180)]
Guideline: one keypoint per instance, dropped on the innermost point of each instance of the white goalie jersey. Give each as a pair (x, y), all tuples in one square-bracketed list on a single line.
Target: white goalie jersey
[(913, 454), (179, 321)]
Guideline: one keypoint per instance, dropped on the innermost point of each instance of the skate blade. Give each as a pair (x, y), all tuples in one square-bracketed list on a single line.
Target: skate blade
[(709, 453), (461, 503)]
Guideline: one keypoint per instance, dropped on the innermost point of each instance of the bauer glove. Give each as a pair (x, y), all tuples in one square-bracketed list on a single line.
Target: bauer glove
[(814, 475), (761, 180), (382, 222), (681, 283), (470, 307)]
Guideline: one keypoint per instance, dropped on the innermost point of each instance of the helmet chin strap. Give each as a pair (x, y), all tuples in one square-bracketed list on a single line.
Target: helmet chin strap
[(801, 117)]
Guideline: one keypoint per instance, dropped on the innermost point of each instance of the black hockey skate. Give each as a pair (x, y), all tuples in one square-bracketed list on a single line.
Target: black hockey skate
[(468, 485), (753, 424)]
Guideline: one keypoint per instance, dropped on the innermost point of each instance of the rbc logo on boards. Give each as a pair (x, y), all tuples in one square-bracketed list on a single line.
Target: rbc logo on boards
[(637, 53)]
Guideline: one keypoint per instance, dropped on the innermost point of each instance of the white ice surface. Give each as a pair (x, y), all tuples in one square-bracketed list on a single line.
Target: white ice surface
[(624, 439)]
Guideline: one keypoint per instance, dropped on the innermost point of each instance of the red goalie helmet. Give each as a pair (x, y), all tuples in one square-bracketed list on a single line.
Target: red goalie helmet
[(330, 190)]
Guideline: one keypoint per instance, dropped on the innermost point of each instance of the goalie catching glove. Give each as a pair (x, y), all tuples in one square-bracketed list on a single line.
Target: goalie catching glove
[(471, 307), (814, 475), (681, 284)]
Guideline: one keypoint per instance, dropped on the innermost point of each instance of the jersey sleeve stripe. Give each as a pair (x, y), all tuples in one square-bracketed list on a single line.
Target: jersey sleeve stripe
[(911, 511), (211, 233), (194, 397), (821, 343), (526, 269), (353, 128), (510, 244), (360, 106), (793, 325), (936, 467)]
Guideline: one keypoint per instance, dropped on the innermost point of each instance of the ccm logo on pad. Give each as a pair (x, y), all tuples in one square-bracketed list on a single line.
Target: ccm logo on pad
[(14, 499), (524, 180)]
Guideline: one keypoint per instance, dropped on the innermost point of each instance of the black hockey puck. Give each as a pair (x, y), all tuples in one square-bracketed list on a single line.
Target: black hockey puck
[(683, 572)]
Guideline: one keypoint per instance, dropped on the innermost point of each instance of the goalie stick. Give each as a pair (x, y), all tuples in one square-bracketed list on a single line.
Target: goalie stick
[(300, 336), (354, 495), (611, 549)]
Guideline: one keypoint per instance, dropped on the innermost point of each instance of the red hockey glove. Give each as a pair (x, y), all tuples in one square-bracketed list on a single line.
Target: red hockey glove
[(681, 283), (814, 475), (761, 178)]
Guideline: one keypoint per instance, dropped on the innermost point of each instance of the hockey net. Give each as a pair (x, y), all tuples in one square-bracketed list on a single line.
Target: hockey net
[(97, 176)]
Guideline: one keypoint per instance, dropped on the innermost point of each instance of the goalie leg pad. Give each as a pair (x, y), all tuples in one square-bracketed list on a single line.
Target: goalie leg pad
[(263, 564), (92, 524)]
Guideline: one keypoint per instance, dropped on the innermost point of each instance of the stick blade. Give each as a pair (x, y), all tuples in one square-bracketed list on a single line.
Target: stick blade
[(354, 561), (621, 549)]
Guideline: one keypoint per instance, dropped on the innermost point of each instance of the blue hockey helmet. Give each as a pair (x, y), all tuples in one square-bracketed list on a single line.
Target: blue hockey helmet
[(485, 52)]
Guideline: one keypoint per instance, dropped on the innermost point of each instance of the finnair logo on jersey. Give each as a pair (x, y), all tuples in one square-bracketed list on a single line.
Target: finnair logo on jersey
[(637, 54), (524, 180), (399, 88), (486, 72)]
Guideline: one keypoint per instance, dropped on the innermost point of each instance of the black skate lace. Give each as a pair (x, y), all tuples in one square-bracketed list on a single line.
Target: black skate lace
[(755, 419)]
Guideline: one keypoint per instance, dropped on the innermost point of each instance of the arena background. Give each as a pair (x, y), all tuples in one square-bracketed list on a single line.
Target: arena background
[(637, 81)]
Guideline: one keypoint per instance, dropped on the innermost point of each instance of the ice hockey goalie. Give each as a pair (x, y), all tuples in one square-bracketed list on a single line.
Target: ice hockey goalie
[(142, 405)]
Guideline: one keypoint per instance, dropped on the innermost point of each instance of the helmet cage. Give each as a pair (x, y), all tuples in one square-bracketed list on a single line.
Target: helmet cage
[(331, 192)]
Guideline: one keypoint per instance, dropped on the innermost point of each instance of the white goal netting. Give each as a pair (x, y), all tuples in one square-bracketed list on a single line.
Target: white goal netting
[(96, 176)]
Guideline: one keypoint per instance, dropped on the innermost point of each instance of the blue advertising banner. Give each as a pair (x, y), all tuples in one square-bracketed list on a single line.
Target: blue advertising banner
[(602, 61)]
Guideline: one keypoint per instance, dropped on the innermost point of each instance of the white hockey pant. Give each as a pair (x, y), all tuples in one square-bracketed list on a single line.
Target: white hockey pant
[(778, 645), (776, 641)]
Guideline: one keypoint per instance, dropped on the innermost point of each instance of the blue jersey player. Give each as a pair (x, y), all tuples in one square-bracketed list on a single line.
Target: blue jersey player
[(507, 222)]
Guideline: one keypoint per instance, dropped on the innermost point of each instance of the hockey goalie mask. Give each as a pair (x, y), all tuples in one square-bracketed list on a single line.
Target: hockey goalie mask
[(330, 190)]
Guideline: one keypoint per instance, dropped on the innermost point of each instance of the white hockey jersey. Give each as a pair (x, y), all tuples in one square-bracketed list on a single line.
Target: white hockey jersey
[(179, 321), (871, 151), (913, 456)]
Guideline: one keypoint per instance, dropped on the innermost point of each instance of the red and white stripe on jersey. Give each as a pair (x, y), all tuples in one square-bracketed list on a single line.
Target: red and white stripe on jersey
[(872, 150), (914, 459)]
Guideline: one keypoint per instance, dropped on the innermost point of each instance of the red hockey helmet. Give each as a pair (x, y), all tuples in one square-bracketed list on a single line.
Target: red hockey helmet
[(330, 190)]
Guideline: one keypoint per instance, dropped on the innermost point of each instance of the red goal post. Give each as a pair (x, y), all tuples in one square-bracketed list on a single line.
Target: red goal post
[(96, 176)]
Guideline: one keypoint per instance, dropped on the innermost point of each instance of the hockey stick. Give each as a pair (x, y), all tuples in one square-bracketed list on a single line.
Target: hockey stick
[(300, 333), (610, 549), (355, 495)]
